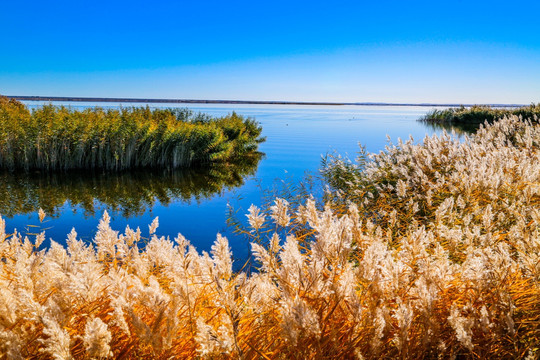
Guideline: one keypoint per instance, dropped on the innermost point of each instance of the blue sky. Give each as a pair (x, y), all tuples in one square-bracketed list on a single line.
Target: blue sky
[(388, 51)]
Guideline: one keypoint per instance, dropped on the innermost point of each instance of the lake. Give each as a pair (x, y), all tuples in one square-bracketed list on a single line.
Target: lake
[(194, 202)]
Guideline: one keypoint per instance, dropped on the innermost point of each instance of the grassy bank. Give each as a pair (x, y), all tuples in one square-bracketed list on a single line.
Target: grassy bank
[(423, 251), (60, 138), (469, 119)]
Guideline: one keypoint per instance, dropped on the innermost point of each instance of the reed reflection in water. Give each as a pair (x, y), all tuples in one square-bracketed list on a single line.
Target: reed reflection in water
[(458, 128), (129, 193)]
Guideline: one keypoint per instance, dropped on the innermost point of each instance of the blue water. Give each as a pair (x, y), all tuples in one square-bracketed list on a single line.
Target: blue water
[(297, 137)]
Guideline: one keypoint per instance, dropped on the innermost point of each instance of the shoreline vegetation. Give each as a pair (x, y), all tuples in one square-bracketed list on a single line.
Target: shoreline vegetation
[(469, 119), (60, 138), (422, 251)]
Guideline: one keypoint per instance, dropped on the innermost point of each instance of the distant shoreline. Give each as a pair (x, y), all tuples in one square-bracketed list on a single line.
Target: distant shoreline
[(242, 102)]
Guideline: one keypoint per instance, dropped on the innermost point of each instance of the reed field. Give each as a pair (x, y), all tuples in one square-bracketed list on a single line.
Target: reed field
[(423, 251), (61, 138), (469, 119)]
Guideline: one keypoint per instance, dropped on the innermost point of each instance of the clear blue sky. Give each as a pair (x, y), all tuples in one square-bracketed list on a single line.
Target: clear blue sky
[(391, 51)]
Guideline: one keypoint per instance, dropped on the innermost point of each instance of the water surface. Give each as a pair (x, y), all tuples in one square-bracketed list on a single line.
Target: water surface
[(194, 202)]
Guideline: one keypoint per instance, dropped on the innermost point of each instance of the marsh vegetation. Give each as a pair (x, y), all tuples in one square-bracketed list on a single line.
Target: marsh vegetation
[(60, 138), (427, 250), (469, 119)]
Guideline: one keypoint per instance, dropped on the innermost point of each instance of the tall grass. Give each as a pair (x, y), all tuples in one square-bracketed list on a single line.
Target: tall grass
[(60, 138), (469, 119), (431, 251)]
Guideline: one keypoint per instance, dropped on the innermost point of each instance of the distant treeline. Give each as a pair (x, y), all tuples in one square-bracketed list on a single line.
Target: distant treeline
[(470, 118), (242, 102), (61, 138), (177, 101)]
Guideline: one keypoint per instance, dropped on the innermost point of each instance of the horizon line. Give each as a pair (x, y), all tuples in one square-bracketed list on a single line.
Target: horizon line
[(244, 102)]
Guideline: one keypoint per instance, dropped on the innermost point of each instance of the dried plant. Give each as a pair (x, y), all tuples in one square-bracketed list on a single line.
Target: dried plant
[(432, 252)]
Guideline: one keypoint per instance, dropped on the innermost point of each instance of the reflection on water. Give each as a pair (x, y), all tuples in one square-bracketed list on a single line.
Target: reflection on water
[(127, 193), (458, 128), (196, 204)]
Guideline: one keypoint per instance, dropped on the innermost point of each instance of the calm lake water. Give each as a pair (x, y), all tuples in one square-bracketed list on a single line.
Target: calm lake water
[(194, 202)]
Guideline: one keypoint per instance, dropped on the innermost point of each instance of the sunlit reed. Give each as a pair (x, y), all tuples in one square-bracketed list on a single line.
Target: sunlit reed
[(425, 250), (61, 138), (469, 119)]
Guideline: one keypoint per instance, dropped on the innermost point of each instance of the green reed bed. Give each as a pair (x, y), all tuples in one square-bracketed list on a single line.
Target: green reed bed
[(61, 138), (469, 119)]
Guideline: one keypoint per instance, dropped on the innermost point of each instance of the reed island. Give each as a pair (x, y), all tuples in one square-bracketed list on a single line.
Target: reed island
[(62, 138)]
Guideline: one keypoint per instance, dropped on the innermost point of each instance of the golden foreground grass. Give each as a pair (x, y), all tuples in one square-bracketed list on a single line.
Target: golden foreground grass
[(434, 252)]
